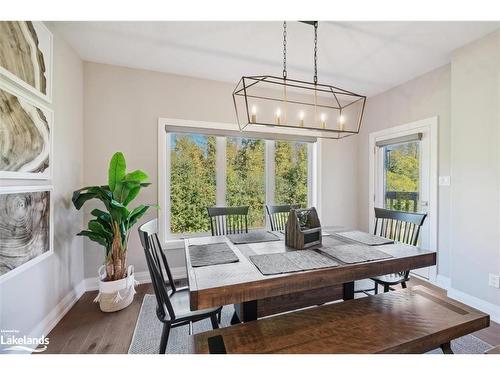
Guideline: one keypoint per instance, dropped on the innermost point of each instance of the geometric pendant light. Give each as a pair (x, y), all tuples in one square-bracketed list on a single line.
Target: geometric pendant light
[(314, 109)]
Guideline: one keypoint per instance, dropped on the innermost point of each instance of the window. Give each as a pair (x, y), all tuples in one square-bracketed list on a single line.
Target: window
[(291, 170), (245, 177), (192, 182), (402, 176), (204, 170)]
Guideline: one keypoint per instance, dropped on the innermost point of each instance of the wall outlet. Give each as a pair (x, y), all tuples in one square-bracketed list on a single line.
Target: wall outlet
[(494, 280), (444, 180)]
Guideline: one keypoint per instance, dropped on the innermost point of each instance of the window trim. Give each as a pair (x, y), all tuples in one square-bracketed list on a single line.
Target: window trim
[(222, 131)]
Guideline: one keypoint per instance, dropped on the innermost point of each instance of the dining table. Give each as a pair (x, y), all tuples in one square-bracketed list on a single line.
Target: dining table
[(254, 294)]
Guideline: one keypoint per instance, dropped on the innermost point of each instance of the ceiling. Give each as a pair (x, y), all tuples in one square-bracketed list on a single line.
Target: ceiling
[(364, 57)]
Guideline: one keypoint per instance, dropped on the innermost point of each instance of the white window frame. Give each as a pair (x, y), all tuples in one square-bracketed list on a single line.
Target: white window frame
[(222, 131)]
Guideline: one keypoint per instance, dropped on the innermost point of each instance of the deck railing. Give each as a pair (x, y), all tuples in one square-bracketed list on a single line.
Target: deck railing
[(402, 200)]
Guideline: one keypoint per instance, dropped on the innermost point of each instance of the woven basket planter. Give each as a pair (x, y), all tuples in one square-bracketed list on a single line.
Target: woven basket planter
[(115, 295)]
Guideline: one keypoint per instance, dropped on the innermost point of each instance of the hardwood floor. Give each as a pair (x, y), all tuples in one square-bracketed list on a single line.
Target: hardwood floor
[(85, 329)]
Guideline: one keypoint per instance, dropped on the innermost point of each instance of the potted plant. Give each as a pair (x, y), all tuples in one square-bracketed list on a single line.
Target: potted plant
[(111, 229)]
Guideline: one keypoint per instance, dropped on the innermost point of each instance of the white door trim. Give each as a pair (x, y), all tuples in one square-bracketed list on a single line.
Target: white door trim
[(430, 126)]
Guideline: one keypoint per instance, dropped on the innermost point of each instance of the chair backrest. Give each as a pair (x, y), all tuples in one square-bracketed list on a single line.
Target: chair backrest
[(278, 215), (159, 270), (228, 220), (399, 225)]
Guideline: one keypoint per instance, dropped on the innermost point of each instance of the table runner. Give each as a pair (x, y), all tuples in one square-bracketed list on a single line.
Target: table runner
[(365, 238), (354, 253), (291, 261), (208, 255), (252, 237)]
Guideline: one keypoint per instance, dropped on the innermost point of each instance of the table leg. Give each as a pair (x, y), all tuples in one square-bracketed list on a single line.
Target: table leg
[(446, 348), (244, 312), (348, 290)]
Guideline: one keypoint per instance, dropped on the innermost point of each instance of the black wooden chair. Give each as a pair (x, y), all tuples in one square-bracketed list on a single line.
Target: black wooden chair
[(228, 220), (278, 215), (172, 306), (400, 226)]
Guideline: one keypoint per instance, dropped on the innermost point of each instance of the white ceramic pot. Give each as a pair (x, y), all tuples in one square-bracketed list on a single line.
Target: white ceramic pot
[(115, 295)]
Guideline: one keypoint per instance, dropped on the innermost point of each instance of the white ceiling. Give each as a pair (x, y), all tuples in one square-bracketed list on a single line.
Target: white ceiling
[(365, 57)]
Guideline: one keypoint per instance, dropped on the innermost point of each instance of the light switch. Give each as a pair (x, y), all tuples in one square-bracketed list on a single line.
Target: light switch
[(444, 180)]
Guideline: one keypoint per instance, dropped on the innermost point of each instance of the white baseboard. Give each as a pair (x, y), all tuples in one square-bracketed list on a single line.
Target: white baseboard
[(143, 277), (57, 313)]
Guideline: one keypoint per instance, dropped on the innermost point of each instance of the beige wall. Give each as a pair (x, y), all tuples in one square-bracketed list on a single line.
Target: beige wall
[(423, 97), (475, 157), (122, 107), (29, 297)]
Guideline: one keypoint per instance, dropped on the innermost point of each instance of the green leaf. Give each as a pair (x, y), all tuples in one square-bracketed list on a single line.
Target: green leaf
[(133, 192), (136, 176), (101, 214), (99, 228), (137, 213), (96, 237), (118, 211), (116, 171)]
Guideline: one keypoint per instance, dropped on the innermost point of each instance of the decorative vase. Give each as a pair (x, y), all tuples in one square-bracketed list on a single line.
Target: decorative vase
[(115, 295)]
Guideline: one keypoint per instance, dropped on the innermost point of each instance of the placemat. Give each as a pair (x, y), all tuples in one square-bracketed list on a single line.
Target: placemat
[(353, 253), (292, 261), (209, 255), (252, 237), (334, 241), (366, 238)]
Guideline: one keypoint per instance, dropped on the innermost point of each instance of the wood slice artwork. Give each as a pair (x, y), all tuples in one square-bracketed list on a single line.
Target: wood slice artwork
[(25, 55), (25, 141), (24, 228)]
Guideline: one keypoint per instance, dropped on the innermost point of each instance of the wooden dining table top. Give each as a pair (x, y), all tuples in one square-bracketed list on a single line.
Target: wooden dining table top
[(239, 282)]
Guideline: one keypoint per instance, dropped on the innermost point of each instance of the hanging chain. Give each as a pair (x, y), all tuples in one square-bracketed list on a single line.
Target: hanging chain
[(316, 52), (284, 49)]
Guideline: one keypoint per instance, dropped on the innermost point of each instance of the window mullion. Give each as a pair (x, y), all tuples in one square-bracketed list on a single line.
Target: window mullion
[(220, 171), (270, 169)]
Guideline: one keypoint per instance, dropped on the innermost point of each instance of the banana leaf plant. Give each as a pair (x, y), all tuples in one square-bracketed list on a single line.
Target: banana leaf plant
[(111, 228)]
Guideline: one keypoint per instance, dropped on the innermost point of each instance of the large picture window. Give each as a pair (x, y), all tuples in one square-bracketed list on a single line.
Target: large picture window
[(192, 182), (208, 170)]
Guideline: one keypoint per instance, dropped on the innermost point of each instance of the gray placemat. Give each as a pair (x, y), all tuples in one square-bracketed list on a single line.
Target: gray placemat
[(334, 241), (310, 259), (366, 238), (209, 255), (354, 253), (272, 264), (252, 237), (292, 261)]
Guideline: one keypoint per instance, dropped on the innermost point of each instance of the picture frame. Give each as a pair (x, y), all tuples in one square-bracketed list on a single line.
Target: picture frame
[(31, 108), (44, 38), (44, 253)]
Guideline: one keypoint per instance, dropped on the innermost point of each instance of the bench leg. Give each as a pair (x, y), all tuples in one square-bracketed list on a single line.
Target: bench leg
[(348, 290), (244, 312), (235, 319), (446, 348)]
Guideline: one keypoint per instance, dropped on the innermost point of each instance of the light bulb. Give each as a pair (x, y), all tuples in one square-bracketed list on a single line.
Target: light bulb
[(278, 116), (254, 114), (341, 122), (301, 117), (323, 117)]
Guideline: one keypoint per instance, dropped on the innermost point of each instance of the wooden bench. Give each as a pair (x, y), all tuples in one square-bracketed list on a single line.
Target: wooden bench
[(413, 320)]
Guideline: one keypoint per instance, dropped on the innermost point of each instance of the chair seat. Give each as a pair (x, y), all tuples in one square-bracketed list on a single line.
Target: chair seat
[(180, 303), (390, 279)]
